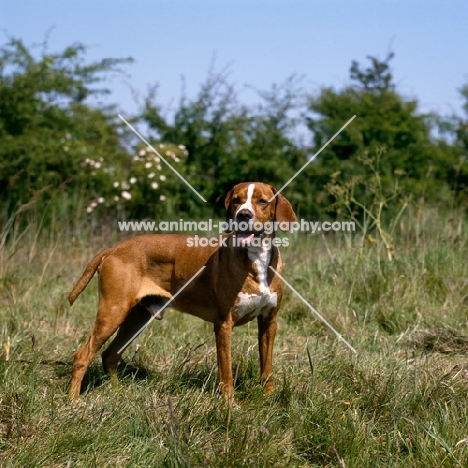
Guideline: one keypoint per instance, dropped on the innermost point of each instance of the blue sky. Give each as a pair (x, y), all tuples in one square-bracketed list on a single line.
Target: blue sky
[(262, 41)]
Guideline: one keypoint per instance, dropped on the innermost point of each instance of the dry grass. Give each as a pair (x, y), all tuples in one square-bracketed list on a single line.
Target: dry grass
[(401, 401)]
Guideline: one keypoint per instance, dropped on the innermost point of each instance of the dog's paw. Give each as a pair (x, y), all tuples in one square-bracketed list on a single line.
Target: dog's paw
[(230, 403)]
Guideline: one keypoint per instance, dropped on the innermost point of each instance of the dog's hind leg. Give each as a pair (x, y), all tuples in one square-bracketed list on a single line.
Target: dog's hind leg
[(128, 331), (109, 318)]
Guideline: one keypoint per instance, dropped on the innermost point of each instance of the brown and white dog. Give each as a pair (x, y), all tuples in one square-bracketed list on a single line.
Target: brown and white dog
[(138, 276)]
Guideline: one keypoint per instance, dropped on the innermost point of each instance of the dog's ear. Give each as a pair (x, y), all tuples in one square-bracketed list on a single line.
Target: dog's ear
[(284, 211), (227, 204), (227, 200)]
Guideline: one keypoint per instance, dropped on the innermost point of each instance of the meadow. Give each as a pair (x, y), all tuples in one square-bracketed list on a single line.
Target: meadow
[(399, 402)]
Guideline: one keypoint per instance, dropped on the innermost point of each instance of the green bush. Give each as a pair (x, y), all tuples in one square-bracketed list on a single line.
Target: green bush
[(59, 151)]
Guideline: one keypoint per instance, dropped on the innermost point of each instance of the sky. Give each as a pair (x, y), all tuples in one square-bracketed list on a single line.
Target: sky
[(259, 42)]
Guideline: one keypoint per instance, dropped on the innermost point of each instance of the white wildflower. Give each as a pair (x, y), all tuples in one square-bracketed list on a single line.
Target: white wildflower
[(158, 167), (89, 209), (142, 152), (97, 165), (169, 153), (126, 195), (100, 200), (148, 165), (93, 204), (162, 177), (156, 159), (154, 185), (133, 180), (162, 197), (116, 198), (161, 145), (115, 184), (182, 147), (151, 175), (124, 185)]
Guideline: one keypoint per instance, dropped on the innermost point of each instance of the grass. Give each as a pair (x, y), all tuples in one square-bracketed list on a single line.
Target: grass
[(400, 402)]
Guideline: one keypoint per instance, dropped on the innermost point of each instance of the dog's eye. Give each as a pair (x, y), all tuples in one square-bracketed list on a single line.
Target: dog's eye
[(236, 201), (262, 202)]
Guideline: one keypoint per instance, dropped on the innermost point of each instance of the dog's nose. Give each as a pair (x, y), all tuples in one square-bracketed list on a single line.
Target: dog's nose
[(244, 215)]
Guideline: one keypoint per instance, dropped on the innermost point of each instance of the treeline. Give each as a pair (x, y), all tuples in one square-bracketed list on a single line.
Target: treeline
[(59, 151)]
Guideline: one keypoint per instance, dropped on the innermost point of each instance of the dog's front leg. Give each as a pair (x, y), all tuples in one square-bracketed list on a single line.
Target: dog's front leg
[(223, 333), (266, 338)]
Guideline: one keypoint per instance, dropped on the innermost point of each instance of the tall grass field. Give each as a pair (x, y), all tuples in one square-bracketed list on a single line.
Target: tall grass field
[(401, 401)]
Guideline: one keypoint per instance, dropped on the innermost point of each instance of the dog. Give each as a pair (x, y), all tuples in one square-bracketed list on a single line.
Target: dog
[(138, 277)]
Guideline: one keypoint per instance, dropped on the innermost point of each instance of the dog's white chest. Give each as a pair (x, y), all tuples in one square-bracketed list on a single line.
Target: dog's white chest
[(256, 304)]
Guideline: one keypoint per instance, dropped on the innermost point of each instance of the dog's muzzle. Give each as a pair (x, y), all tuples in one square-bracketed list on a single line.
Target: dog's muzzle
[(246, 228)]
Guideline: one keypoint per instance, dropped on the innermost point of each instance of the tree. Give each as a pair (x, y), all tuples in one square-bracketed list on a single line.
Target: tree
[(456, 127), (227, 142), (47, 129), (387, 127)]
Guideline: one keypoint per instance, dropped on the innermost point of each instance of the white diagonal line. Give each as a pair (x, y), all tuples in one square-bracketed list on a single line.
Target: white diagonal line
[(160, 310), (316, 313), (150, 146), (312, 158)]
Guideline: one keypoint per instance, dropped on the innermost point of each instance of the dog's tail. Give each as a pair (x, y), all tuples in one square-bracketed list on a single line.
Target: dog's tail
[(87, 275)]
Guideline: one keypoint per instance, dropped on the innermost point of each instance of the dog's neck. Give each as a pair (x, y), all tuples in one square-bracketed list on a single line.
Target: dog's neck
[(261, 257)]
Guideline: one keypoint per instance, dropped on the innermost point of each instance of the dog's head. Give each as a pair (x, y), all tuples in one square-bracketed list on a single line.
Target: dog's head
[(251, 213)]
